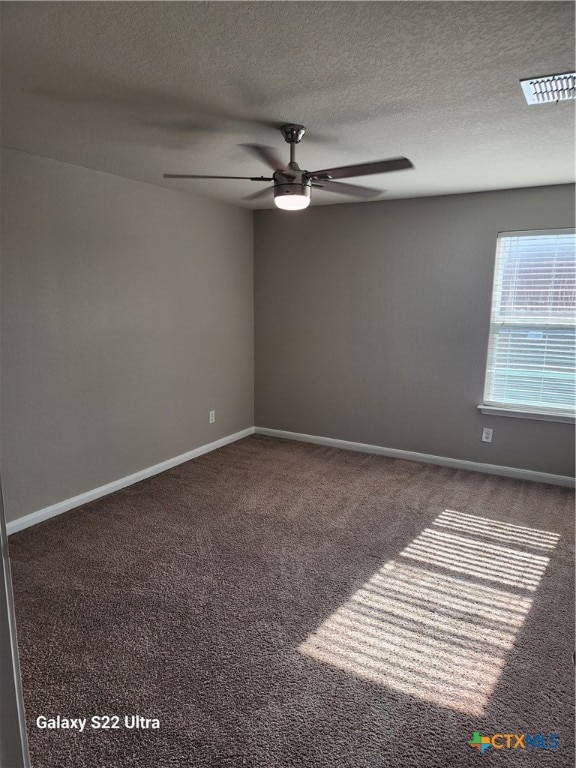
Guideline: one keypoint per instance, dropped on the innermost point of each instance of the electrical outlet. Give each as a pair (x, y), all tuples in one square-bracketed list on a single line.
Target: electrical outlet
[(486, 435), (212, 417)]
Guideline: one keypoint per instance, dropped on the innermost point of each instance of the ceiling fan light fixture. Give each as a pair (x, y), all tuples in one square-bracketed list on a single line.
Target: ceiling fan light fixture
[(292, 197)]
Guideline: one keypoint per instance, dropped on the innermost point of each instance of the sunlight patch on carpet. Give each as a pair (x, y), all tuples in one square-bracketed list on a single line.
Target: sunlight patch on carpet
[(437, 623), (492, 529)]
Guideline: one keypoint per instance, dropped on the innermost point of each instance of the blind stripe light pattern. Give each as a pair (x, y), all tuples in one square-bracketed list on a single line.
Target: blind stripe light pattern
[(532, 344)]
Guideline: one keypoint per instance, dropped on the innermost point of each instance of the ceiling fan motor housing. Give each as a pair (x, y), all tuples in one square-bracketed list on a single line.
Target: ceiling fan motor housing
[(299, 186)]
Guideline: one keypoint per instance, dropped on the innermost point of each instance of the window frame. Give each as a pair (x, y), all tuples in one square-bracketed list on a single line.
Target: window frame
[(518, 410)]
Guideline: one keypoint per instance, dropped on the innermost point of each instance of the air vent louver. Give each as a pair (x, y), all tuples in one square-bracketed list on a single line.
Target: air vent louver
[(549, 89)]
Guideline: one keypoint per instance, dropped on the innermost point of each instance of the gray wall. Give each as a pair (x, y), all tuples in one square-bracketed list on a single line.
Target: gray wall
[(127, 314), (372, 324)]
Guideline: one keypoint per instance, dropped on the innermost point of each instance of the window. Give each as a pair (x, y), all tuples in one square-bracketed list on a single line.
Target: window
[(531, 350)]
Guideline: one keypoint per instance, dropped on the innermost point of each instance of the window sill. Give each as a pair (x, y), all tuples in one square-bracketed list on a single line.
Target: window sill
[(492, 410)]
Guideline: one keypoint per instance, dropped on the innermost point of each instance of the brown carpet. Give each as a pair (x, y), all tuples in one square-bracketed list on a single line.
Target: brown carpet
[(277, 604)]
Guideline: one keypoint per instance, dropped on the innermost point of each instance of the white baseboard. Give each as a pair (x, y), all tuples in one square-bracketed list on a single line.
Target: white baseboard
[(64, 506), (493, 469), (473, 466)]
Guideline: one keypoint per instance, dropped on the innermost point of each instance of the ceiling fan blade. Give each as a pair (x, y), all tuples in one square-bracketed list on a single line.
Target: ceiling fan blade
[(269, 156), (348, 189), (364, 169), (260, 193), (194, 176)]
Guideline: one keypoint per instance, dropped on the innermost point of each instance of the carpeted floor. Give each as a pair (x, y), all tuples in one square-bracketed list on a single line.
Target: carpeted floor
[(281, 605)]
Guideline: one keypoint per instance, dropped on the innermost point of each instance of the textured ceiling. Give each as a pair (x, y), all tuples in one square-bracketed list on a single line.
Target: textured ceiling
[(139, 89)]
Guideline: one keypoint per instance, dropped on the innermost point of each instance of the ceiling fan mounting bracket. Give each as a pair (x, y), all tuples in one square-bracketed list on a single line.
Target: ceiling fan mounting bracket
[(292, 133)]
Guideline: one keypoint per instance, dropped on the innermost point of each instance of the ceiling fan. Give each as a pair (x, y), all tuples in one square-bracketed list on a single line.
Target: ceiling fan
[(292, 185)]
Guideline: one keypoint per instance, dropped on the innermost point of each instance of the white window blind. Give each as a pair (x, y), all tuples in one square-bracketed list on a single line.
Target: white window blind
[(531, 349)]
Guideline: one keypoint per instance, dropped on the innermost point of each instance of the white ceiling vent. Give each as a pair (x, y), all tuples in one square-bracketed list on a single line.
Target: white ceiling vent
[(549, 89)]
